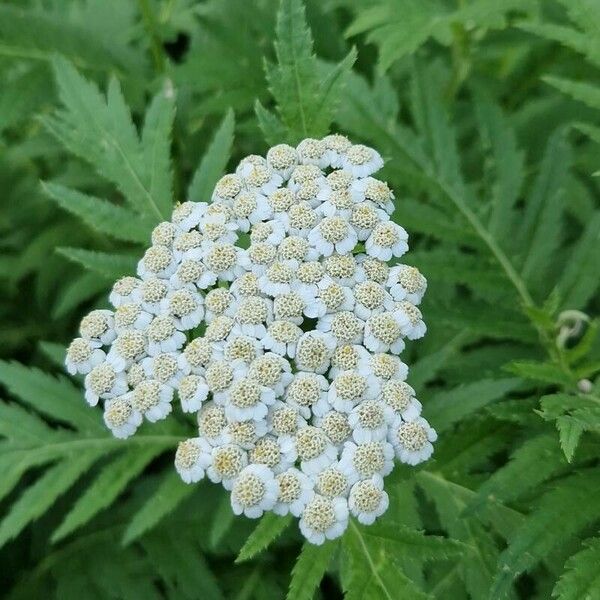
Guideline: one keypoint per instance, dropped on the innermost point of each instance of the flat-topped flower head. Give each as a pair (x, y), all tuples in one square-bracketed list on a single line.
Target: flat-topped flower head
[(275, 315)]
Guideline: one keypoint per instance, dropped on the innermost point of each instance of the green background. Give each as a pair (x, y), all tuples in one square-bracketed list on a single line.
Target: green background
[(487, 113)]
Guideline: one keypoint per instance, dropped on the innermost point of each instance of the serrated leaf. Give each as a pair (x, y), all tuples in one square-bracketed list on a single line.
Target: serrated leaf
[(170, 492), (39, 496), (55, 397), (34, 34), (508, 162), (104, 216), (546, 372), (100, 130), (111, 481), (214, 161), (268, 529), (370, 571), (581, 579), (309, 569), (570, 432), (448, 407), (111, 266), (533, 462), (551, 524), (155, 143), (579, 90), (306, 93), (579, 280)]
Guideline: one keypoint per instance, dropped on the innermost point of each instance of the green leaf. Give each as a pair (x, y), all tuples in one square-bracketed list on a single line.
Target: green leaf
[(268, 529), (400, 28), (104, 216), (370, 570), (541, 223), (34, 34), (100, 131), (306, 97), (449, 407), (552, 523), (309, 569), (579, 90), (111, 266), (508, 162), (170, 492), (579, 280), (546, 372), (37, 498), (581, 578), (111, 482), (155, 144), (536, 460), (570, 431), (214, 161), (55, 397)]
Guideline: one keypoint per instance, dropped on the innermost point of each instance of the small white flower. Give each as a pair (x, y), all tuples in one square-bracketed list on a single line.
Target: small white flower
[(333, 234), (295, 491), (163, 368), (254, 491), (413, 326), (315, 450), (324, 518), (250, 208), (400, 398), (123, 290), (151, 293), (374, 191), (99, 325), (278, 453), (349, 388), (368, 500), (192, 458), (406, 283), (83, 355), (331, 482), (282, 338), (158, 261), (120, 417), (369, 422), (188, 214), (227, 462), (247, 399), (361, 461), (193, 391), (314, 351), (163, 335), (383, 333), (308, 392), (152, 399), (131, 316), (412, 440), (104, 382), (387, 240), (245, 434), (282, 159), (212, 424), (227, 188), (362, 161), (313, 152), (185, 306)]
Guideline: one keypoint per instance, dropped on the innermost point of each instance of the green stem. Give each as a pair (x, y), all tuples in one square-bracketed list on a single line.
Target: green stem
[(155, 44)]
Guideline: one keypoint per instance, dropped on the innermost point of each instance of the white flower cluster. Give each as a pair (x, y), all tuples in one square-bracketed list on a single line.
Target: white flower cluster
[(273, 313)]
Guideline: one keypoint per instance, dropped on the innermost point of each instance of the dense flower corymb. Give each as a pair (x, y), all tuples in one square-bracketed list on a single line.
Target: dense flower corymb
[(273, 313)]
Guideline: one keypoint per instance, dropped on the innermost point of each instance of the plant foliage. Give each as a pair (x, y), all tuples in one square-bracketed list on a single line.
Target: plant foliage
[(488, 115)]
